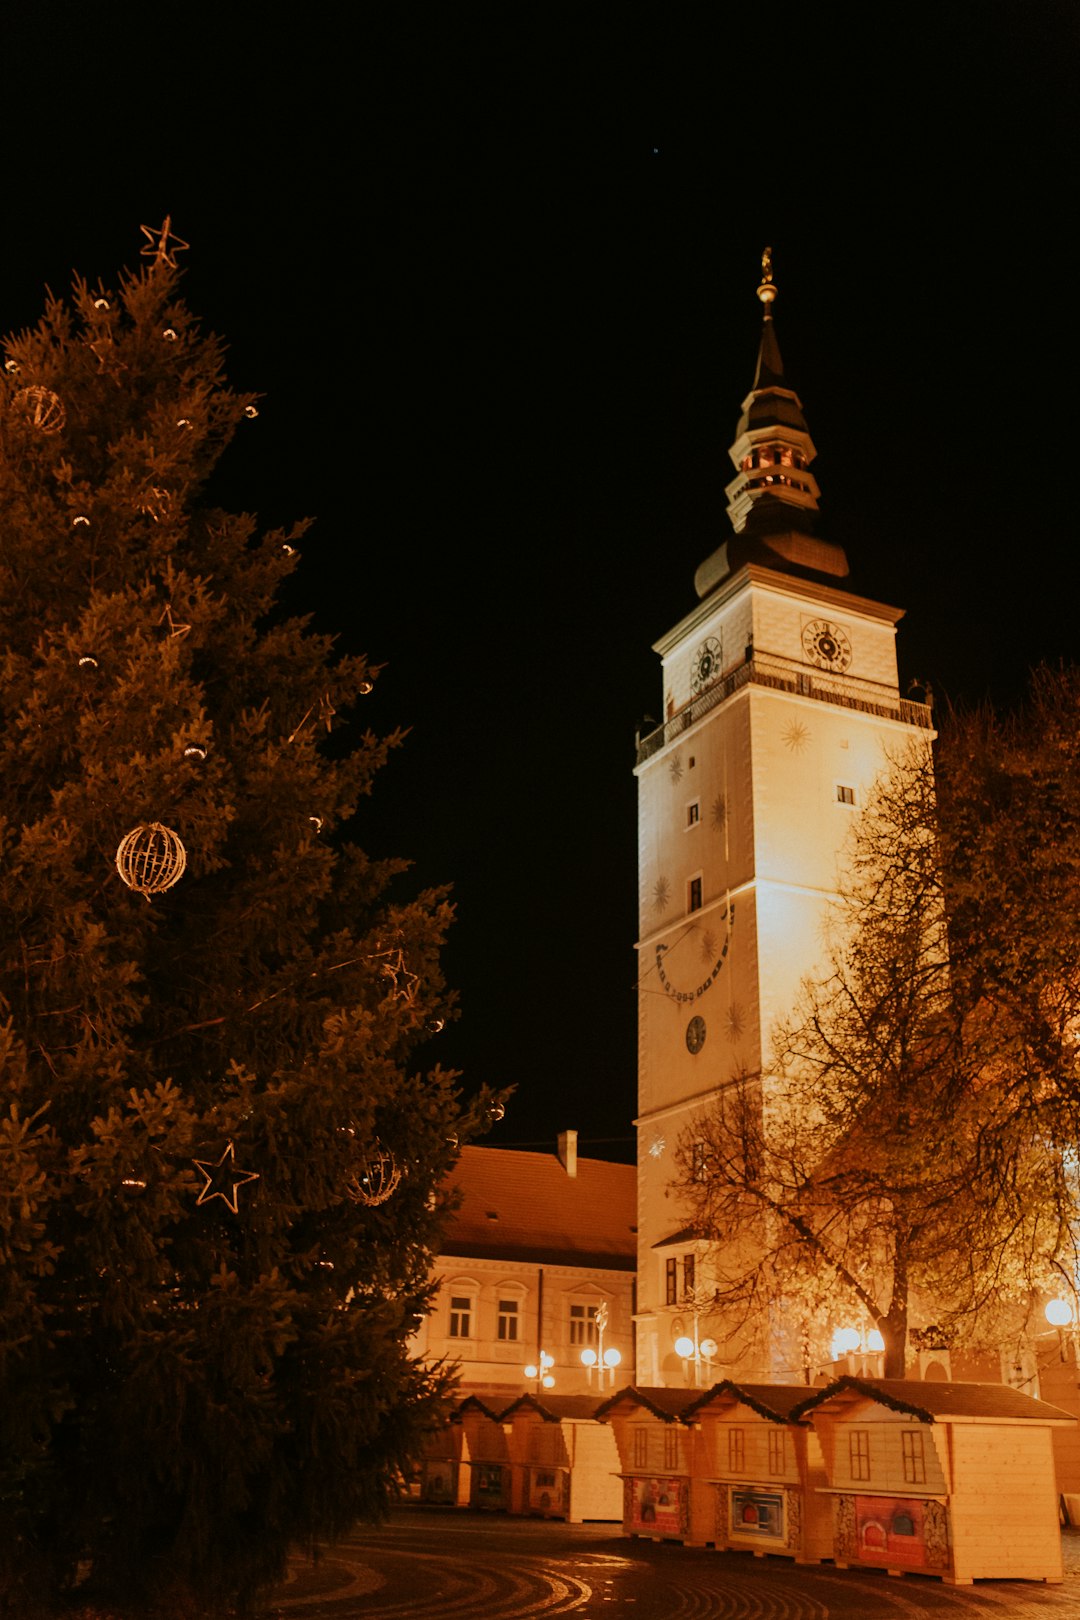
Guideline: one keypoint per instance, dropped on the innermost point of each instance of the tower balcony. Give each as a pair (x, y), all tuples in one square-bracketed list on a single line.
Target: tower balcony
[(787, 675)]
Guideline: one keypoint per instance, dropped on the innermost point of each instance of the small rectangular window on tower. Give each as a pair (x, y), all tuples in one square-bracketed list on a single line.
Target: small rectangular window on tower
[(845, 794), (671, 1281), (693, 813), (693, 894)]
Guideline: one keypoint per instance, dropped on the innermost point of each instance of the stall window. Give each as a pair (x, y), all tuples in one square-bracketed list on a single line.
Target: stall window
[(641, 1446), (736, 1450), (777, 1460), (859, 1453), (671, 1448), (914, 1457)]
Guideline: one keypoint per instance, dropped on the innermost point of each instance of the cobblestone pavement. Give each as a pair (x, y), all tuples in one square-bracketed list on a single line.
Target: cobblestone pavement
[(432, 1564)]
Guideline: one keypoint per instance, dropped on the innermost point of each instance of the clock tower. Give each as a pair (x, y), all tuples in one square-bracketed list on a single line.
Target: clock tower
[(781, 705)]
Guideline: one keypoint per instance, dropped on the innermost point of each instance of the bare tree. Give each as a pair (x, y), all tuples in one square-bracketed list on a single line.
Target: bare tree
[(862, 1173)]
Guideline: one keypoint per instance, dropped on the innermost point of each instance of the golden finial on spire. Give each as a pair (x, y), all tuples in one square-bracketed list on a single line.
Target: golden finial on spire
[(767, 291)]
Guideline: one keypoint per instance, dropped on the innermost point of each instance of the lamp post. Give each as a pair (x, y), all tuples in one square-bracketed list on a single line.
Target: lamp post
[(696, 1352), (1060, 1314), (541, 1371), (850, 1341), (604, 1361)]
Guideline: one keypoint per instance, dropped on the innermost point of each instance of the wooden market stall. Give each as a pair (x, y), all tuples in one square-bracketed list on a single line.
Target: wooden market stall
[(764, 1469), (656, 1465), (950, 1479), (440, 1465), (485, 1456), (564, 1464)]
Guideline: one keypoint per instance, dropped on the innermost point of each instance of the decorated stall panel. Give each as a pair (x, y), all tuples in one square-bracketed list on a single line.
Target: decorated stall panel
[(764, 1470), (951, 1479)]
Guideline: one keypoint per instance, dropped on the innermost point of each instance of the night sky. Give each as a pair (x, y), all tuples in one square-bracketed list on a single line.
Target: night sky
[(493, 269)]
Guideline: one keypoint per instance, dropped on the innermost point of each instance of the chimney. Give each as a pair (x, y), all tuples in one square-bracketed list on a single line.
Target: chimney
[(568, 1151)]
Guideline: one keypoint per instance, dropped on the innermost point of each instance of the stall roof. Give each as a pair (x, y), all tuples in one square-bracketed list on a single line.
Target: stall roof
[(668, 1404), (773, 1401), (472, 1403), (553, 1408), (933, 1402)]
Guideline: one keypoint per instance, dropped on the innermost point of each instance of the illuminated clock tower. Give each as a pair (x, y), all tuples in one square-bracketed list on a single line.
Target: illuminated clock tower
[(781, 706)]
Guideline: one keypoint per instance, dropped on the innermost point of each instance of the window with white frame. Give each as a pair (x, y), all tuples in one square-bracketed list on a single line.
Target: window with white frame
[(583, 1324), (507, 1328), (462, 1310)]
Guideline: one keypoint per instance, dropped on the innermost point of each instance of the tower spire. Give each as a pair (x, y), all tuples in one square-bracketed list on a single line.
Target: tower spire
[(772, 501)]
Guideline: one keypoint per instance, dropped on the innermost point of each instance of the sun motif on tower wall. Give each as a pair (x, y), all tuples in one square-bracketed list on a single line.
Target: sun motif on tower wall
[(796, 736), (661, 893)]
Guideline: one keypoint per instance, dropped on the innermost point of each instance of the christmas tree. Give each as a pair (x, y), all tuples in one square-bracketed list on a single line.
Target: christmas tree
[(219, 1160)]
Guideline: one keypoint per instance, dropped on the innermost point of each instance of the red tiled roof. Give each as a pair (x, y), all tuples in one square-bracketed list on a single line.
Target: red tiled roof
[(524, 1206)]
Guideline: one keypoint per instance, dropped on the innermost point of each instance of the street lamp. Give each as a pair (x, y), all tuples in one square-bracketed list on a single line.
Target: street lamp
[(605, 1361), (545, 1378), (849, 1341), (701, 1352), (1059, 1313)]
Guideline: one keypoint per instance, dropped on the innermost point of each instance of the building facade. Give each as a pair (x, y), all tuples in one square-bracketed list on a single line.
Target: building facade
[(781, 707), (537, 1266)]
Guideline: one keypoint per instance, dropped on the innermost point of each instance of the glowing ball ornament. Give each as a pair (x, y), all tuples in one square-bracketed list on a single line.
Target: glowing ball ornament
[(376, 1180), (150, 859), (42, 408)]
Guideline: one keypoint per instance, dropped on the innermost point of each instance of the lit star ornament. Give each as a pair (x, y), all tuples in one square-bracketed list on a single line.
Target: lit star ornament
[(404, 982), (221, 1180), (162, 243)]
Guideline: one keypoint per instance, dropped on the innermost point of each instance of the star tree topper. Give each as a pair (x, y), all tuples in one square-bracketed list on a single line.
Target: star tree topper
[(162, 243), (222, 1179)]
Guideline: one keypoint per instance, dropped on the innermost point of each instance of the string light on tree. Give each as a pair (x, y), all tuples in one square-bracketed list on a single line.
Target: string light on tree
[(151, 858)]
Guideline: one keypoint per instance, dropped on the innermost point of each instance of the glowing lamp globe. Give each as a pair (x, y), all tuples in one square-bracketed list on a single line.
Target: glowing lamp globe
[(546, 1360), (1059, 1312), (612, 1357), (531, 1370), (709, 1347), (547, 1381), (846, 1339), (684, 1347), (874, 1341), (588, 1358)]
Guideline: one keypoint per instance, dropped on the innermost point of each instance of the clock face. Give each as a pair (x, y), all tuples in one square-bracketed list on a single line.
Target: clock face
[(695, 990), (707, 662), (826, 645), (695, 1034)]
